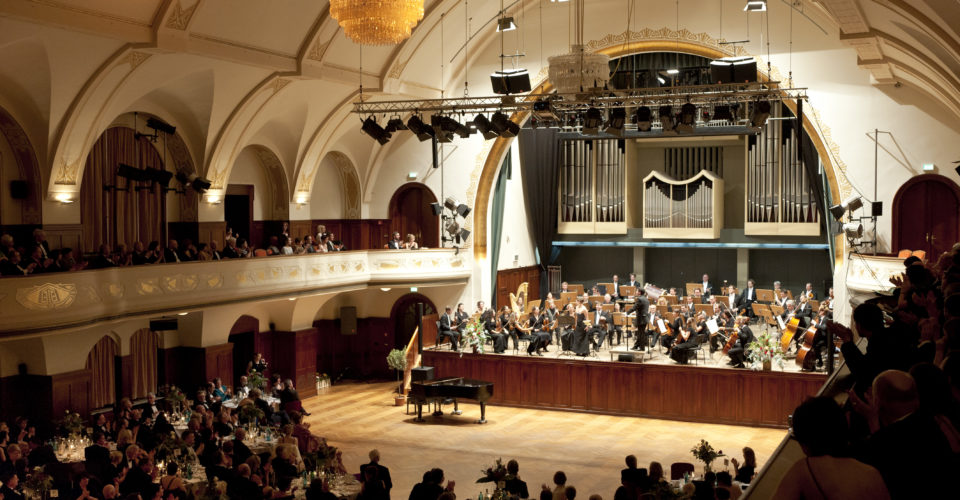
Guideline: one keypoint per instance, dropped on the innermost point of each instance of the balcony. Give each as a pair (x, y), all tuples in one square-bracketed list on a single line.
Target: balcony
[(38, 303)]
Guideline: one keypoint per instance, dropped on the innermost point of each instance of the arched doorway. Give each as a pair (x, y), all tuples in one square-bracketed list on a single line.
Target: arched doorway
[(410, 213), (925, 215), (101, 361), (243, 337), (403, 316)]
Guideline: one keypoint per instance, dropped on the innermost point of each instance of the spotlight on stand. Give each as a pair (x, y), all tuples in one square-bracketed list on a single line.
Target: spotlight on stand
[(485, 127), (132, 173), (850, 204), (853, 230), (160, 126), (666, 119), (510, 81), (459, 208), (592, 122), (643, 117), (688, 119), (395, 124), (615, 125), (436, 208), (371, 128), (503, 126), (198, 184), (419, 129), (761, 111)]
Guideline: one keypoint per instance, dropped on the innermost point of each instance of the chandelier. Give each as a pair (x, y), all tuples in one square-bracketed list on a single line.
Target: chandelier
[(579, 70), (377, 22)]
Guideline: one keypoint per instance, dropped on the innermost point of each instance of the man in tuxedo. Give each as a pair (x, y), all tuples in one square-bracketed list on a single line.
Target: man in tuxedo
[(149, 409), (615, 293), (383, 473), (744, 336), (172, 252), (40, 241), (230, 249), (808, 291), (886, 348), (446, 329), (747, 298), (396, 243), (214, 252), (97, 456), (706, 289), (514, 485), (641, 307), (599, 329), (632, 281)]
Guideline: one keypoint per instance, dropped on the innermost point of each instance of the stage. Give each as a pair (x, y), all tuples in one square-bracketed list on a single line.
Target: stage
[(710, 392)]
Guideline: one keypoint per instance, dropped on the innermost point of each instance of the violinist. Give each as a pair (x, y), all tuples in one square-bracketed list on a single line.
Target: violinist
[(725, 320), (491, 323), (616, 330), (550, 315), (686, 342), (460, 318), (507, 327), (733, 299), (651, 334), (565, 334), (744, 337), (539, 339), (601, 324), (481, 309), (701, 331)]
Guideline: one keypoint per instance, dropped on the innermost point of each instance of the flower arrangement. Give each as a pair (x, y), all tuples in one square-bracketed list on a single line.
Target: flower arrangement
[(474, 336), (765, 350), (250, 413), (323, 380), (495, 473), (705, 453), (255, 380), (71, 423), (171, 448), (175, 397), (39, 481)]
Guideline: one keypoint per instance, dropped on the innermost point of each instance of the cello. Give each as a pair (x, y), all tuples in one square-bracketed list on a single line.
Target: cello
[(731, 341), (806, 357), (789, 330)]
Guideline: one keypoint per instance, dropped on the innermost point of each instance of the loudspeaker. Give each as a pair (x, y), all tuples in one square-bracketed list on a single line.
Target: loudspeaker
[(625, 357), (421, 374), (876, 209), (163, 325), (19, 190), (348, 320), (22, 368)]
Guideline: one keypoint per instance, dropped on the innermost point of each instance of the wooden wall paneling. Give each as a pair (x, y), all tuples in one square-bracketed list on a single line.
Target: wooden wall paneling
[(598, 385), (70, 391), (651, 401), (770, 400), (65, 236), (750, 398), (218, 362), (430, 329), (512, 381), (547, 376), (579, 385), (328, 360), (728, 392), (257, 236), (212, 231), (563, 391), (306, 347), (126, 376), (301, 228), (528, 381), (509, 279), (167, 365), (182, 231)]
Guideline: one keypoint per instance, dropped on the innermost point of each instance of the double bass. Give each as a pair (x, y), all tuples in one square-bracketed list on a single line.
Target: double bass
[(731, 341), (806, 357), (789, 330)]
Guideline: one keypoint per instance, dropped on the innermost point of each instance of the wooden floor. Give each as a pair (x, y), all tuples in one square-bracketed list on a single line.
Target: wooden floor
[(357, 417)]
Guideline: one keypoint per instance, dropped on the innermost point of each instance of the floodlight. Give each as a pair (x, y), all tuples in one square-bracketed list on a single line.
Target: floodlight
[(643, 118), (436, 208), (853, 230), (503, 126), (618, 117), (132, 173), (485, 127), (506, 24), (510, 81), (592, 122), (395, 124), (420, 129), (371, 128)]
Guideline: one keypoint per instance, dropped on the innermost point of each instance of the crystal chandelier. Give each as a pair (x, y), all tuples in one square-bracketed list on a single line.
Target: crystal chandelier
[(377, 22), (579, 70)]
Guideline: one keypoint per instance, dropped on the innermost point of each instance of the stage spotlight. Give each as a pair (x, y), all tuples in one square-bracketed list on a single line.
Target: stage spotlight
[(510, 81), (443, 127), (465, 129), (618, 117), (464, 234), (761, 111), (463, 210), (722, 112), (755, 6), (850, 204), (132, 173), (198, 183), (506, 24), (666, 119), (543, 111), (688, 118), (419, 129), (643, 117), (436, 208), (159, 126), (853, 230), (451, 203), (395, 124), (503, 126), (592, 122), (485, 127), (371, 128), (159, 176)]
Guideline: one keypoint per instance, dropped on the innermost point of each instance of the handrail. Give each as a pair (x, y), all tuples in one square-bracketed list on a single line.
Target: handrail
[(413, 359)]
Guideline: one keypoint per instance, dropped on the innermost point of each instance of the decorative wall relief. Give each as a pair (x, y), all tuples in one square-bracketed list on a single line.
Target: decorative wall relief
[(48, 296)]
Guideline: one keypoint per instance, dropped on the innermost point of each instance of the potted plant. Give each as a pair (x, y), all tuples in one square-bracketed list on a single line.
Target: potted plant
[(706, 454), (474, 336), (397, 360), (764, 351)]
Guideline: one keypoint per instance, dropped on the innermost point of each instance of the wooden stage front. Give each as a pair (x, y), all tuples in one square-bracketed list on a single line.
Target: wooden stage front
[(692, 393)]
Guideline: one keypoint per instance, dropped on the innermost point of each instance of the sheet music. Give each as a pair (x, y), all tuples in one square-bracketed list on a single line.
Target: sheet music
[(780, 322), (661, 325), (712, 326)]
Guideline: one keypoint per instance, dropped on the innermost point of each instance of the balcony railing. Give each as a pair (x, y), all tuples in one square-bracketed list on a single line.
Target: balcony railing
[(41, 302)]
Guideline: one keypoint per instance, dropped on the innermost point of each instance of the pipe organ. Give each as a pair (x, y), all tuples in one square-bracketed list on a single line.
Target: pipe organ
[(779, 193), (685, 162), (682, 209), (593, 194)]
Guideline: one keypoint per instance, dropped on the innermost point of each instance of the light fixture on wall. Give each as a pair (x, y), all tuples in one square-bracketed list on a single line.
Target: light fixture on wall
[(385, 289), (199, 184), (213, 198), (851, 204), (64, 198), (302, 198)]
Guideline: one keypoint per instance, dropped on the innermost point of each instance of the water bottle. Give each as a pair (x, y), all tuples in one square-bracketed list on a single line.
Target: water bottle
[(686, 477)]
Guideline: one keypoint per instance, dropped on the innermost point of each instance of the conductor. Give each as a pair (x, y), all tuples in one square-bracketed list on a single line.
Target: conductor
[(641, 307)]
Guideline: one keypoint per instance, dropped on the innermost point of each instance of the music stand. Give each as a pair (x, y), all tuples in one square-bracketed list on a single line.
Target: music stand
[(814, 305), (531, 304), (605, 288), (790, 295), (568, 297), (690, 287), (663, 309), (696, 300), (628, 291), (765, 295), (703, 308), (671, 299), (576, 288), (596, 298), (606, 308)]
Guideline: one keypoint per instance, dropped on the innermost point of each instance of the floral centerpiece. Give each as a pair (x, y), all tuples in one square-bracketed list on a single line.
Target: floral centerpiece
[(706, 454), (323, 380), (71, 424), (250, 413), (474, 336), (764, 351), (171, 449), (495, 474), (176, 398), (39, 482), (255, 380)]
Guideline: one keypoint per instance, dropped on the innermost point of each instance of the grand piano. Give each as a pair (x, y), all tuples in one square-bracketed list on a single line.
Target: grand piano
[(453, 388)]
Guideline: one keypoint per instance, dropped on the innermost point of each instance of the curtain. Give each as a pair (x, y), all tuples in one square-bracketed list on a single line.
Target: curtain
[(540, 169), (100, 364), (496, 219), (111, 216), (143, 348)]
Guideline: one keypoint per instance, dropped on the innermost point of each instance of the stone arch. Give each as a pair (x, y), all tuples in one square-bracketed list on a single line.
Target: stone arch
[(662, 40), (25, 157), (277, 182), (349, 184)]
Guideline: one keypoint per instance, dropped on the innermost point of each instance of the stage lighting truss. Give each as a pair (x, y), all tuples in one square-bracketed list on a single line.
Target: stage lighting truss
[(744, 105)]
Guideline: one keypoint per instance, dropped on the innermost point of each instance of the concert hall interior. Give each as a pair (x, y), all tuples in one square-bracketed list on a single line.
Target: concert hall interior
[(245, 242)]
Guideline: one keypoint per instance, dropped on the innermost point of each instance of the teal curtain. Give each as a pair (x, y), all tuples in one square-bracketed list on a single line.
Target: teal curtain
[(496, 219)]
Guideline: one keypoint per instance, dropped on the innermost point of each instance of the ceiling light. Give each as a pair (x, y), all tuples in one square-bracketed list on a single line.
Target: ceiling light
[(301, 199), (755, 6), (485, 127), (579, 69), (673, 71), (371, 128), (510, 81), (443, 127), (592, 122), (412, 176), (643, 118), (466, 129), (420, 129), (385, 289), (377, 23), (214, 199), (451, 203), (506, 24), (618, 117), (182, 314), (666, 119)]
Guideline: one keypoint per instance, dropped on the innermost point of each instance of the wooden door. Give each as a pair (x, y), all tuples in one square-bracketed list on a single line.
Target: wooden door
[(410, 213), (925, 215)]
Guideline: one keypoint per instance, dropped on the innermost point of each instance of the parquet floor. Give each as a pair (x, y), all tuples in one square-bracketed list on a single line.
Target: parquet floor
[(589, 448)]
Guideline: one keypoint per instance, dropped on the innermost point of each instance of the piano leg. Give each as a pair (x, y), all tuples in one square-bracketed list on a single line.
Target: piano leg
[(419, 411), (438, 408), (483, 413), (456, 408)]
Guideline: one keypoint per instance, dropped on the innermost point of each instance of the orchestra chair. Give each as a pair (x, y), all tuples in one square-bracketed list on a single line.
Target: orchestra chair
[(678, 469), (699, 352), (259, 253)]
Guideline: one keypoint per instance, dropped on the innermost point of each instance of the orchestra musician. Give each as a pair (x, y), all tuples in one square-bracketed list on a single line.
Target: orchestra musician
[(744, 337), (601, 324), (616, 287), (641, 308), (633, 281), (481, 309), (460, 318), (791, 312), (804, 309), (705, 287), (539, 339), (686, 342), (808, 291), (446, 329), (747, 298), (651, 334), (580, 344), (505, 326), (725, 320), (733, 298), (779, 294), (565, 334), (495, 330), (820, 338), (616, 330), (550, 316)]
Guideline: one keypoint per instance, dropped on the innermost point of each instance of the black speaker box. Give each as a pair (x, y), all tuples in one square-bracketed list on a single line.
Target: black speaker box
[(19, 190), (348, 320), (421, 374), (163, 325), (876, 209), (625, 357)]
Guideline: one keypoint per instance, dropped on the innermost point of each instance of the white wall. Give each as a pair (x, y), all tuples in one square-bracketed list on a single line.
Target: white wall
[(248, 170), (326, 198)]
